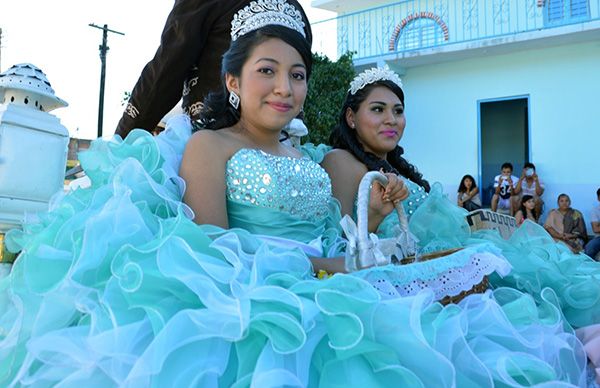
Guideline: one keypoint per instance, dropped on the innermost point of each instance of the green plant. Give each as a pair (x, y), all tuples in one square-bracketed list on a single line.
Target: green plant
[(327, 90)]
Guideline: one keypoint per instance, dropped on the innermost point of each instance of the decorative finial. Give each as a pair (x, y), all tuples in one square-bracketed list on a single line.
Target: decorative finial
[(25, 84)]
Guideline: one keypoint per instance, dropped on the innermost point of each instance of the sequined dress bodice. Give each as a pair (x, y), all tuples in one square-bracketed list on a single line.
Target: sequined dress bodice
[(299, 187), (416, 196)]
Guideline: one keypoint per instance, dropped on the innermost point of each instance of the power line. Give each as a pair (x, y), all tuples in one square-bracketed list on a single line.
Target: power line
[(103, 49)]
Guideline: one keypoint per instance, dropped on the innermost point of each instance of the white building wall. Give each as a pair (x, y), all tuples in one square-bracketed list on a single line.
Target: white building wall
[(345, 6), (563, 85)]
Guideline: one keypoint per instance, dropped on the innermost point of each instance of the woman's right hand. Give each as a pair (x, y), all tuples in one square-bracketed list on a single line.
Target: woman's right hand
[(395, 190), (382, 199)]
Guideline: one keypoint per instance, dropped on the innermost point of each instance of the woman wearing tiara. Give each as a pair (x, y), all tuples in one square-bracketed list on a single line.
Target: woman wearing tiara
[(117, 286), (371, 124)]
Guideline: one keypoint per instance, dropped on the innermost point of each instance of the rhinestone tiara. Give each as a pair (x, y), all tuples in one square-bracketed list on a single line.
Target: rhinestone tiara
[(372, 75), (261, 13)]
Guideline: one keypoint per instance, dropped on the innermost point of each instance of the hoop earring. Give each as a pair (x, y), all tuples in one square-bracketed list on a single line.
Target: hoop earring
[(234, 100)]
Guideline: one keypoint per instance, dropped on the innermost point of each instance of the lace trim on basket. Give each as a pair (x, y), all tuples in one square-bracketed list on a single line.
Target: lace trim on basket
[(394, 282)]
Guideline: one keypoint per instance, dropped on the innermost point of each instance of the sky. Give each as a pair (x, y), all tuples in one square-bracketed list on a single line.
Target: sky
[(55, 36)]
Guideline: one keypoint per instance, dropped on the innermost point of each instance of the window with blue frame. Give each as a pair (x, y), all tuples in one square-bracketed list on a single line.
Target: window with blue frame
[(566, 11), (579, 8), (419, 33)]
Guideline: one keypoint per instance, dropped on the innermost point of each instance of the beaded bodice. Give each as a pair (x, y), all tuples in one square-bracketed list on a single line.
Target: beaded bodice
[(299, 187), (416, 196)]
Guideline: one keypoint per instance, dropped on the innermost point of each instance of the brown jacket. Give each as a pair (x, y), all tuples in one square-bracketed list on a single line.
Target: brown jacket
[(187, 63)]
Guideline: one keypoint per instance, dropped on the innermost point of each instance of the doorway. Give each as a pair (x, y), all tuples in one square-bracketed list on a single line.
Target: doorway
[(504, 137)]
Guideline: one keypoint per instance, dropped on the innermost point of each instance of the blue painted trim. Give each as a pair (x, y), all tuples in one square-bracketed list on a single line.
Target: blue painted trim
[(479, 135)]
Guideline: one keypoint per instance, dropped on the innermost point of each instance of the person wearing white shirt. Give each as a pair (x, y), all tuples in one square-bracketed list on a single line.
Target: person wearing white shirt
[(504, 185), (530, 184)]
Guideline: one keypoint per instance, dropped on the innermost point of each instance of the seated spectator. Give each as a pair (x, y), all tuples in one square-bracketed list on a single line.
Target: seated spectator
[(566, 224), (527, 210), (504, 185), (530, 184), (593, 246), (468, 194)]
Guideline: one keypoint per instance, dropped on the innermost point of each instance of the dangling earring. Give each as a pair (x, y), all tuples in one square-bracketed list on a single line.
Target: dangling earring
[(234, 100)]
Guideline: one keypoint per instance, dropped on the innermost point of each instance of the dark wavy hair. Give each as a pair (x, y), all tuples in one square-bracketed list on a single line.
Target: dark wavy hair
[(217, 113), (462, 188), (561, 196), (344, 137), (523, 210)]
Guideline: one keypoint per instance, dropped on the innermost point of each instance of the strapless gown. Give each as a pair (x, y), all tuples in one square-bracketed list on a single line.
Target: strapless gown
[(116, 286)]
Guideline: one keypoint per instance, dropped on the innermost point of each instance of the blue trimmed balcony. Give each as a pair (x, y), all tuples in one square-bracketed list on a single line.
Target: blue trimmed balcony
[(415, 32)]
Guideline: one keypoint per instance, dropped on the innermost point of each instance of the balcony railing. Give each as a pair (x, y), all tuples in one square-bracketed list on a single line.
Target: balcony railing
[(411, 25)]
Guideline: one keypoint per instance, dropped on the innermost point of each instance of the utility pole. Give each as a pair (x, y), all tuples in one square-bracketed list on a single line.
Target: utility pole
[(103, 49)]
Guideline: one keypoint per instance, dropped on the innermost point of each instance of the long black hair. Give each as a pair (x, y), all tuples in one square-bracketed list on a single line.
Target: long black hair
[(345, 138), (462, 188), (526, 198), (217, 113)]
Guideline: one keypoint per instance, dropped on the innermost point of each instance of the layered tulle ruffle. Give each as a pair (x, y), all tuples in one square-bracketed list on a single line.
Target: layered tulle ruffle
[(117, 286), (539, 263)]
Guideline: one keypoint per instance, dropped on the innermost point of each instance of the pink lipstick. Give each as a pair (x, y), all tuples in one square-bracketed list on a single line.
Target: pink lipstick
[(280, 107)]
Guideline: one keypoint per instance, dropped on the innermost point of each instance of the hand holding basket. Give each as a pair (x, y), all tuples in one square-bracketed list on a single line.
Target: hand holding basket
[(366, 249), (452, 274)]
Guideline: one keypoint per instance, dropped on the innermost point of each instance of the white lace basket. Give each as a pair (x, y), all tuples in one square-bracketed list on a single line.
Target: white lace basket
[(365, 249), (455, 274)]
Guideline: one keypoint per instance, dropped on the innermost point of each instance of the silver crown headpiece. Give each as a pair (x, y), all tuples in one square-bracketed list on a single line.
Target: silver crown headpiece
[(261, 13), (372, 75)]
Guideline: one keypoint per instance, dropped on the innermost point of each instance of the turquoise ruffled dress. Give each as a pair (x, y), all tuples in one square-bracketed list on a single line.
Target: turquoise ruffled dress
[(116, 286), (538, 261)]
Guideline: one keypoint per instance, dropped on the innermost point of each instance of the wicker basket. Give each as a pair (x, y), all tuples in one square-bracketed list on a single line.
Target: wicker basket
[(5, 255), (479, 288), (386, 246), (429, 256)]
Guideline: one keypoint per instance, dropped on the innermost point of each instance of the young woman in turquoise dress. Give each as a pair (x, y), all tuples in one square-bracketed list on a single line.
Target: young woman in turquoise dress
[(117, 286), (262, 92), (371, 123)]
